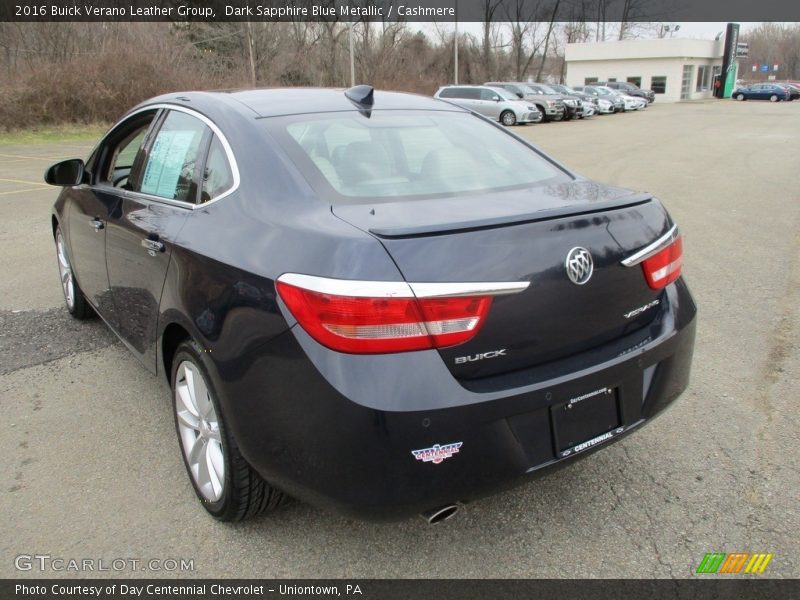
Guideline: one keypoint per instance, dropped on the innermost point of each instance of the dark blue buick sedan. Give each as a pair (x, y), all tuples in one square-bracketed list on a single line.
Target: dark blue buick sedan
[(761, 91), (376, 302)]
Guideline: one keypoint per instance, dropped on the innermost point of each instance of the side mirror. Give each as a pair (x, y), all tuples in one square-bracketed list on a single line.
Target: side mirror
[(520, 95), (66, 172), (496, 98)]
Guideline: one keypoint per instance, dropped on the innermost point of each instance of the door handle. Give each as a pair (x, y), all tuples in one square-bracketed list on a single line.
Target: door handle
[(97, 224), (153, 246)]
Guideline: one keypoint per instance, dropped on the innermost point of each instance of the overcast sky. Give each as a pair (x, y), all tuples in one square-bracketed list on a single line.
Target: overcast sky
[(688, 30)]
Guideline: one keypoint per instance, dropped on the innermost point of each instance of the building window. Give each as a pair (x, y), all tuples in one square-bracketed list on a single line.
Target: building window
[(686, 81), (703, 78), (612, 78), (590, 80), (637, 81), (659, 84)]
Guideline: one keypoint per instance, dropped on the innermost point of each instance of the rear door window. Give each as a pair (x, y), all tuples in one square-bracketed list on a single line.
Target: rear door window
[(174, 158)]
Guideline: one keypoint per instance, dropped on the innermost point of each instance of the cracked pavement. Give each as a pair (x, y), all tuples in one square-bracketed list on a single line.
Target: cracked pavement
[(92, 468)]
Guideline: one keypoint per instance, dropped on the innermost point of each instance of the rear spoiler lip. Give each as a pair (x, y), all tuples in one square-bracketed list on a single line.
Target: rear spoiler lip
[(491, 223)]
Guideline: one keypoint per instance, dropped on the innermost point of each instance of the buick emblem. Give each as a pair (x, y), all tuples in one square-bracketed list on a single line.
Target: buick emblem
[(579, 265)]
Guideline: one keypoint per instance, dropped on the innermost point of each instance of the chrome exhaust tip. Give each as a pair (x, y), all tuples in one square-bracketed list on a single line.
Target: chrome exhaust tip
[(439, 514)]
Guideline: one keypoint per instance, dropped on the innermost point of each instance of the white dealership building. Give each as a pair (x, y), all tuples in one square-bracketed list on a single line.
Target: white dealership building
[(675, 69)]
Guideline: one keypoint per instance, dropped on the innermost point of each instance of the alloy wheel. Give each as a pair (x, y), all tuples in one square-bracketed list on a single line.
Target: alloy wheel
[(65, 272), (198, 426)]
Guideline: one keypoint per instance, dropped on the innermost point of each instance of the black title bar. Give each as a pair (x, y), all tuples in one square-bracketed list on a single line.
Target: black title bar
[(698, 588), (400, 10)]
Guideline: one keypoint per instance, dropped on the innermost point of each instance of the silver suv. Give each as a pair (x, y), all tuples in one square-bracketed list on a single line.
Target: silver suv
[(497, 104), (551, 105)]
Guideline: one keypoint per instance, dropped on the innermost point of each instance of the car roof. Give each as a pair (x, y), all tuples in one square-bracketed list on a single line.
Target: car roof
[(273, 102), (458, 86)]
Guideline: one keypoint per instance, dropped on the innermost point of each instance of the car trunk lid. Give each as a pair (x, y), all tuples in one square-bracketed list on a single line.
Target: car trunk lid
[(526, 236)]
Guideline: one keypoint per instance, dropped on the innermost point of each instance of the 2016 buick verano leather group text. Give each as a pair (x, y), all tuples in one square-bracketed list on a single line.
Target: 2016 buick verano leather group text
[(376, 302)]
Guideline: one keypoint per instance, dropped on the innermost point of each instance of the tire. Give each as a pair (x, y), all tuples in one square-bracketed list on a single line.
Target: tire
[(228, 488), (540, 119), (558, 117), (773, 98), (740, 97), (545, 118), (508, 118), (76, 302)]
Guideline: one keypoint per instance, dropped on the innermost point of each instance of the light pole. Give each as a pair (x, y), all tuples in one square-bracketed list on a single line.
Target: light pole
[(455, 47), (352, 58), (670, 29)]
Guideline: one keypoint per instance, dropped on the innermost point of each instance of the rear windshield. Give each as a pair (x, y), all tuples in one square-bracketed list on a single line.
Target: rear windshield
[(349, 158)]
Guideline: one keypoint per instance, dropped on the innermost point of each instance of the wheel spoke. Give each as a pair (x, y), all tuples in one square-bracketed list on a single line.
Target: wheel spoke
[(189, 374), (186, 399), (213, 433), (186, 418), (216, 467), (197, 453), (204, 406), (203, 472)]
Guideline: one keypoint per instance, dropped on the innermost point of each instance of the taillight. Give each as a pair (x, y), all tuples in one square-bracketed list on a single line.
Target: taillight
[(383, 317), (664, 267)]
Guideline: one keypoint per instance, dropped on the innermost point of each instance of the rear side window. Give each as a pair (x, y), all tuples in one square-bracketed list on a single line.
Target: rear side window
[(448, 93), (394, 154), (217, 175), (173, 159), (471, 93)]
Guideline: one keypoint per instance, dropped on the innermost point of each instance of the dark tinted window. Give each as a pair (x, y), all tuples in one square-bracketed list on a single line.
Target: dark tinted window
[(217, 175), (488, 95), (170, 170), (465, 93), (121, 149), (658, 85), (411, 155)]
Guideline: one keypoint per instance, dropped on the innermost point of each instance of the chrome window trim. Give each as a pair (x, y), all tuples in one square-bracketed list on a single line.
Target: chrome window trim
[(211, 125), (651, 249), (400, 289)]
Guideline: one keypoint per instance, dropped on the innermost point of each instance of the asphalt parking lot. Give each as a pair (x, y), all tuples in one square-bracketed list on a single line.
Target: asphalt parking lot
[(91, 467)]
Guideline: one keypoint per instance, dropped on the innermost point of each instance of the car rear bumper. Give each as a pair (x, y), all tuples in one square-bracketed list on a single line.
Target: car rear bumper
[(340, 431)]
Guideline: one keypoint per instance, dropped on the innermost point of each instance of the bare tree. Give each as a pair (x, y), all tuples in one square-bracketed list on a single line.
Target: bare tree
[(553, 14)]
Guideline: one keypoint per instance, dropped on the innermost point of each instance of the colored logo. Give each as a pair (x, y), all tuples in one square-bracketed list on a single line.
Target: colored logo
[(437, 453), (735, 562)]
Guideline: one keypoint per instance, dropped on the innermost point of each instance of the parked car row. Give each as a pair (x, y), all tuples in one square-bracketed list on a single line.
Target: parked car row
[(774, 92), (519, 103)]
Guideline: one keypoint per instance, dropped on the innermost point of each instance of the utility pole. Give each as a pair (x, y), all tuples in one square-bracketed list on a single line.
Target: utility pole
[(455, 47), (352, 57)]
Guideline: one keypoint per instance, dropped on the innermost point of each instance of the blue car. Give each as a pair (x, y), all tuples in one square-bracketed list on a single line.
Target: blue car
[(377, 302), (762, 91)]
